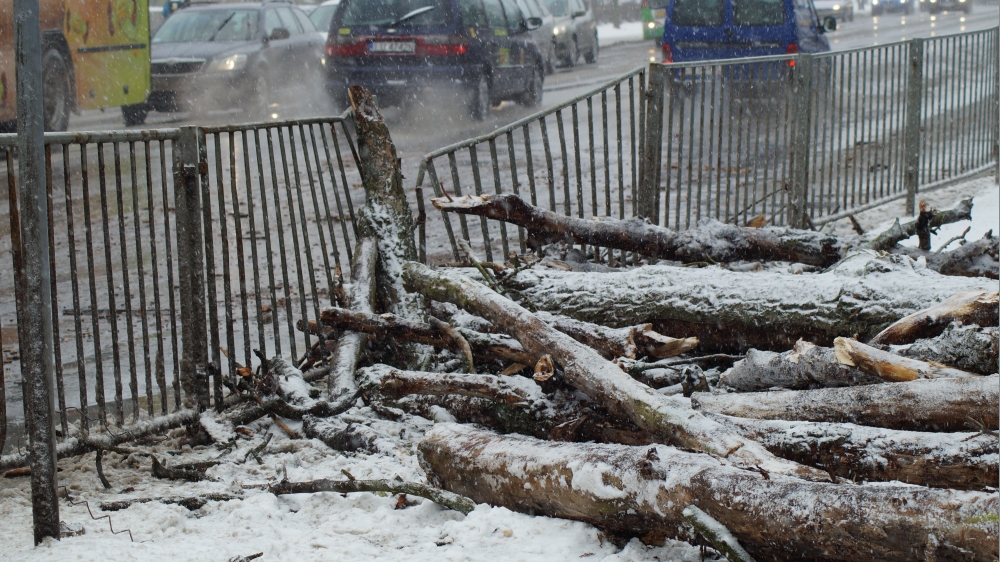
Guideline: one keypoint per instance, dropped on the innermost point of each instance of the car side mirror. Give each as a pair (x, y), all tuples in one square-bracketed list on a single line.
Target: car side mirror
[(579, 14), (829, 24), (279, 33), (532, 24)]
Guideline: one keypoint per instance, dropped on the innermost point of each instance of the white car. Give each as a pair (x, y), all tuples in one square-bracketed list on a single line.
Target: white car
[(840, 10)]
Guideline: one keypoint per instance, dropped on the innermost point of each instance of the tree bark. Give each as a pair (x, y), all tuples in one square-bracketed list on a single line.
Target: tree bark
[(596, 377), (341, 385), (966, 347), (806, 366), (889, 366), (963, 461), (441, 497), (513, 390), (731, 311), (611, 343), (711, 240), (921, 405), (980, 307), (974, 259), (898, 233), (639, 489)]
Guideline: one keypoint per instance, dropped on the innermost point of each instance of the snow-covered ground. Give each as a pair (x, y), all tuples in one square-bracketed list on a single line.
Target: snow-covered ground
[(629, 32)]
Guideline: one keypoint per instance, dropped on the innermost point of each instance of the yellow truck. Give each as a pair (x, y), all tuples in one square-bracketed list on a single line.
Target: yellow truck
[(95, 54)]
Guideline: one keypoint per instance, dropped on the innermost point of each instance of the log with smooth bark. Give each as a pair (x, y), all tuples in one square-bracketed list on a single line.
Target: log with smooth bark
[(889, 366), (513, 391), (966, 347), (805, 366), (611, 343), (640, 489), (596, 377), (341, 385), (729, 310), (963, 461), (920, 405), (899, 232), (979, 307), (711, 240)]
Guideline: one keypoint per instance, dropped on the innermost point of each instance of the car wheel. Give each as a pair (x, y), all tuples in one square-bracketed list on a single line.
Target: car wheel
[(479, 100), (135, 114), (850, 16), (573, 53), (55, 91), (591, 57), (533, 97)]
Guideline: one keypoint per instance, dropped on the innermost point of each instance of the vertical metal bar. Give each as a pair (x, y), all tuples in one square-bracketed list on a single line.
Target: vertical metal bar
[(31, 273), (567, 199), (281, 245), (607, 154), (529, 163), (56, 348), (262, 184), (477, 180), (421, 228), (175, 358), (240, 252), (227, 282), (161, 378), (576, 160), (995, 52), (911, 130), (671, 108), (343, 177), (109, 275), (306, 244), (141, 270), (512, 163), (81, 362), (620, 154), (495, 165), (593, 157), (325, 210), (456, 186), (336, 197), (208, 239), (133, 385), (438, 191), (191, 262), (797, 207), (638, 154), (646, 197), (550, 173)]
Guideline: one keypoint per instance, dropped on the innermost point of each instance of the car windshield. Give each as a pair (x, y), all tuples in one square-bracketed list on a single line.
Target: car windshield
[(398, 13), (322, 15), (558, 8), (758, 12), (698, 13), (208, 25)]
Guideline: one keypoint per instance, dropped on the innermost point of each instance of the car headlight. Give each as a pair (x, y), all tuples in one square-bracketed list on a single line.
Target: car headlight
[(228, 64), (651, 25), (836, 6)]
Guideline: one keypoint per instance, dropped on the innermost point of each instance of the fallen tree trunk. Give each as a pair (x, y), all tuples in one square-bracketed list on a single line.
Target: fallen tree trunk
[(806, 366), (980, 307), (921, 405), (973, 259), (963, 461), (596, 377), (885, 241), (341, 385), (889, 366), (443, 498), (611, 343), (513, 391), (640, 489), (711, 240), (965, 347), (730, 311)]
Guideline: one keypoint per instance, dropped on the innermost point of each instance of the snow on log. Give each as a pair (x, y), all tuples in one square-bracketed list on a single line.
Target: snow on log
[(805, 366), (601, 380), (513, 391), (611, 343), (889, 366), (885, 241), (920, 405), (965, 347), (636, 490), (729, 310), (963, 461), (348, 349), (711, 239), (973, 259), (716, 534), (980, 307)]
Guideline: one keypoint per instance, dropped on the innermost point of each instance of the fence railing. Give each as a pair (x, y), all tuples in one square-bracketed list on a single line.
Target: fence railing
[(174, 254)]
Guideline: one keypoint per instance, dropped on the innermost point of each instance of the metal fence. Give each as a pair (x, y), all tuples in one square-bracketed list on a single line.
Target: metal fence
[(175, 253)]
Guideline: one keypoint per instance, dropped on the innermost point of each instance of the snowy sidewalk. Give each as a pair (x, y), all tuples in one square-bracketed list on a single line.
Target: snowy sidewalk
[(629, 32)]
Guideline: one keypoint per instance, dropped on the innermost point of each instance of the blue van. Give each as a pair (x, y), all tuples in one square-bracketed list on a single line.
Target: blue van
[(723, 29)]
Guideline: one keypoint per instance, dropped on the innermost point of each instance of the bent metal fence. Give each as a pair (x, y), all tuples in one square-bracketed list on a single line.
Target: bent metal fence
[(175, 254), (801, 139)]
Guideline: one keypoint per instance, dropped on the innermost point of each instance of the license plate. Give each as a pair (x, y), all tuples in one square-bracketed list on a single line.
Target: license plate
[(392, 47), (659, 15)]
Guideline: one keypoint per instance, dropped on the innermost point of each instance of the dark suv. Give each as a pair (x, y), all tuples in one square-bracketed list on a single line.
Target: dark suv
[(399, 48)]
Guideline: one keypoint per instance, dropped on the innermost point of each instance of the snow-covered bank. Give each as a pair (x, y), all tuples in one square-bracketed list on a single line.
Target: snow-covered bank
[(629, 32)]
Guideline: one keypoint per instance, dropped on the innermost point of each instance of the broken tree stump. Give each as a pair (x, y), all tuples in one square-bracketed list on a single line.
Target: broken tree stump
[(980, 307), (805, 366), (889, 366)]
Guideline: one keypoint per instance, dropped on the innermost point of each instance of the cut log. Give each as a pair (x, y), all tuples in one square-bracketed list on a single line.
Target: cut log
[(443, 498), (611, 343), (889, 366), (636, 490), (805, 366), (596, 377), (339, 434), (730, 311), (980, 307), (974, 259), (898, 233), (969, 348), (341, 386), (711, 240), (921, 405), (513, 391), (386, 216), (963, 461)]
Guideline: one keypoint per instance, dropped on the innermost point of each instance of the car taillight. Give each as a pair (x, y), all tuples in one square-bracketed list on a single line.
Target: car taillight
[(346, 46), (792, 49), (442, 45), (668, 54), (645, 4)]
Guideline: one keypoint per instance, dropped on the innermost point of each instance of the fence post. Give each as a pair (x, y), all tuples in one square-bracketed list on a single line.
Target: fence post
[(31, 275), (802, 94), (191, 270), (911, 125), (996, 103), (646, 196)]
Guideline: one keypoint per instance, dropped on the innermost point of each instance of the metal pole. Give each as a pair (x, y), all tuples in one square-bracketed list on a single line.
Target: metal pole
[(646, 197), (996, 102), (911, 127), (34, 320), (798, 201)]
